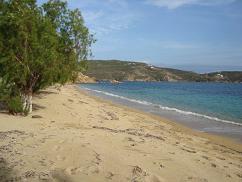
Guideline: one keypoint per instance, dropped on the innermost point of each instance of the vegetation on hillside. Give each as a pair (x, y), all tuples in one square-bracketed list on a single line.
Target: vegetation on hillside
[(39, 46), (225, 76), (135, 71)]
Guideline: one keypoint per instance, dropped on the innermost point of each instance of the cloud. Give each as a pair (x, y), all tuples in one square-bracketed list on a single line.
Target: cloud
[(103, 22), (173, 4), (106, 16)]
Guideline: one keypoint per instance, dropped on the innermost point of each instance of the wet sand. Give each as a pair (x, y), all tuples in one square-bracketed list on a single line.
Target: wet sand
[(197, 122), (72, 136)]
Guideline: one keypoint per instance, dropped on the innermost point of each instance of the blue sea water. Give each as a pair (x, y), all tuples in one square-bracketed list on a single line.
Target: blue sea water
[(200, 103)]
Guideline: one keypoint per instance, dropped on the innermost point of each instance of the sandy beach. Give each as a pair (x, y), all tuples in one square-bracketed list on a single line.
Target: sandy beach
[(72, 136)]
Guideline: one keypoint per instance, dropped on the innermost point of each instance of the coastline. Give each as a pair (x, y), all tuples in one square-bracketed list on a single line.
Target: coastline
[(74, 136), (192, 119), (219, 139)]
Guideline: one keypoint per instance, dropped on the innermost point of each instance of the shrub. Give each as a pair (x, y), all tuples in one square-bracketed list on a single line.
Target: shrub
[(15, 105), (10, 98)]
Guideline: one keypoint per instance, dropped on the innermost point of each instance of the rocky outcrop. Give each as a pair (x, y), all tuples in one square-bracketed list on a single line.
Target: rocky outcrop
[(84, 79)]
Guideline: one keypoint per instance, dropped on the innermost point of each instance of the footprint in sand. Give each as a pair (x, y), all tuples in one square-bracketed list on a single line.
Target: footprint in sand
[(60, 175), (56, 148), (129, 139), (109, 176), (159, 164), (154, 178), (205, 157), (60, 158), (195, 179), (73, 170), (138, 174), (92, 169), (220, 158), (43, 162), (29, 174), (44, 176), (239, 175), (61, 141), (228, 176)]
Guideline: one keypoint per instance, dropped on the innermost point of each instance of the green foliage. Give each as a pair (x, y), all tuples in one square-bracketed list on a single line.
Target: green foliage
[(4, 92), (40, 46), (15, 105), (9, 98)]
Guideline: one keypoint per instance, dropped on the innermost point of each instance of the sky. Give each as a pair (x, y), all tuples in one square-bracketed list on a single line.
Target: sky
[(196, 35)]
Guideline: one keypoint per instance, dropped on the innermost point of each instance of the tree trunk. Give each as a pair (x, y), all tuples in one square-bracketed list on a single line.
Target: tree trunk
[(27, 102), (28, 92), (24, 100)]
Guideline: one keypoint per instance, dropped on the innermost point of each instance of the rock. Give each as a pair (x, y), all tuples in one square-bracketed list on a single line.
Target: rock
[(84, 79), (37, 116)]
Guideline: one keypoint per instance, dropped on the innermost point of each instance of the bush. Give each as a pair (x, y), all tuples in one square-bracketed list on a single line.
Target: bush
[(3, 96), (15, 105), (10, 98)]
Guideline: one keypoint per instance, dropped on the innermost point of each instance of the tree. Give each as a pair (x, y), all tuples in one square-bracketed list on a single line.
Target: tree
[(40, 46), (70, 24)]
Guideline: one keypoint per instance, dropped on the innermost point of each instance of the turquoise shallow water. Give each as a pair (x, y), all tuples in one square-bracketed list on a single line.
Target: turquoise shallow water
[(209, 107), (220, 100)]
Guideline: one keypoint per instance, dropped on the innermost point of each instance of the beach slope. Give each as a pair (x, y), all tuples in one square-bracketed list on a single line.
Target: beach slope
[(71, 136)]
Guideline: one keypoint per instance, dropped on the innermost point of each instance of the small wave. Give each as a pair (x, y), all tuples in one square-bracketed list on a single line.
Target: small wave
[(165, 108)]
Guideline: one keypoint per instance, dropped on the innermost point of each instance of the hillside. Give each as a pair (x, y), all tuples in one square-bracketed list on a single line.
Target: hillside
[(229, 76), (136, 71)]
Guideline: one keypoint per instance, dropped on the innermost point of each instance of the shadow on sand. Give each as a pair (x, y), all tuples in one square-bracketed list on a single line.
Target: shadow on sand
[(3, 108), (6, 172), (41, 94)]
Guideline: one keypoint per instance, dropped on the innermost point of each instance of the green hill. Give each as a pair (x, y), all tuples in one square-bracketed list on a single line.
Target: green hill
[(136, 71)]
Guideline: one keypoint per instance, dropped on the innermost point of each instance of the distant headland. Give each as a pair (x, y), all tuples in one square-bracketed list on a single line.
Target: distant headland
[(109, 70)]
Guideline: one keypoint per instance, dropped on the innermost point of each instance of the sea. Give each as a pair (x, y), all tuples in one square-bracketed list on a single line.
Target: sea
[(206, 107)]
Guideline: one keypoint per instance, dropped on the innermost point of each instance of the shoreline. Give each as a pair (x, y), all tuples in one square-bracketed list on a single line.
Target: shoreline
[(170, 109), (231, 116), (73, 136), (219, 139)]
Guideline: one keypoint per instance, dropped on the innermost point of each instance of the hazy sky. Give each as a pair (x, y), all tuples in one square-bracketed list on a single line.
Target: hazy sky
[(190, 34)]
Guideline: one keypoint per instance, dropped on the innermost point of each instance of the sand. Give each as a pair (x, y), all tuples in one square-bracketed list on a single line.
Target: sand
[(72, 136)]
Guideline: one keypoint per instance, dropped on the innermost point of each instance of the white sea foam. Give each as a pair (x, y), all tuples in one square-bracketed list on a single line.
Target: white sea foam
[(166, 108)]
